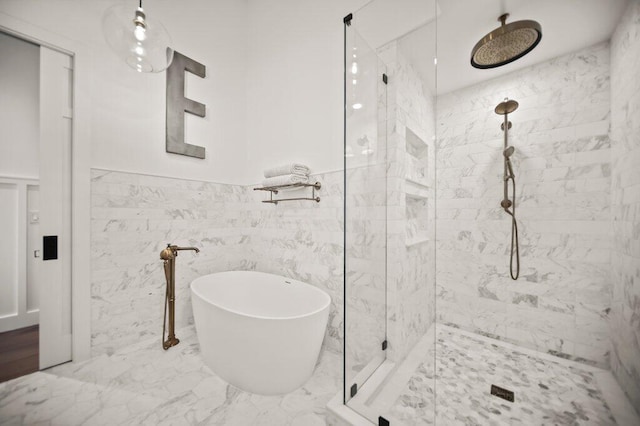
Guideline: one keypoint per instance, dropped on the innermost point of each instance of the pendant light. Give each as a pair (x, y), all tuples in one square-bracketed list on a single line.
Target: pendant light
[(144, 45)]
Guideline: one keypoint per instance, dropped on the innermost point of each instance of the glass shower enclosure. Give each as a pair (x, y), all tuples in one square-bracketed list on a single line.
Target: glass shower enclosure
[(554, 340), (389, 93)]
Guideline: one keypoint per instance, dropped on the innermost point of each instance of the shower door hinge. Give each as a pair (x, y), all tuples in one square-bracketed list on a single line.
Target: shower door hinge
[(382, 421), (354, 390), (384, 345), (347, 19), (384, 78)]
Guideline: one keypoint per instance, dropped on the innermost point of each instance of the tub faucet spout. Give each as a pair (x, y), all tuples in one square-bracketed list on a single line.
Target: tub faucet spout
[(172, 251), (196, 249)]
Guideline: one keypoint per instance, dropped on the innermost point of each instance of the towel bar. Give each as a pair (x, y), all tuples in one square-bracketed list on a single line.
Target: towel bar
[(275, 189)]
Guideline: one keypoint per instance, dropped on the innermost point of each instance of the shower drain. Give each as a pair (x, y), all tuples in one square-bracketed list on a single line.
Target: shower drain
[(502, 393)]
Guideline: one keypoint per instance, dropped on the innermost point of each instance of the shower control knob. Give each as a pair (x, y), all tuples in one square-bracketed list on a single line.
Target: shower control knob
[(505, 204)]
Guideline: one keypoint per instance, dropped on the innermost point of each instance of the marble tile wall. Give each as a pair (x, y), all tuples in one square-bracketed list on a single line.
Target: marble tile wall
[(625, 145), (411, 208), (562, 300), (303, 240), (134, 216)]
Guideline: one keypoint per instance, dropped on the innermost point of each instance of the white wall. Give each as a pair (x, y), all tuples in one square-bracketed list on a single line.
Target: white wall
[(273, 89), (294, 109), (128, 109), (19, 107)]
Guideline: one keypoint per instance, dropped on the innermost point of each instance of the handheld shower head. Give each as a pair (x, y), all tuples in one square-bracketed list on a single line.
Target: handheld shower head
[(511, 175), (508, 152)]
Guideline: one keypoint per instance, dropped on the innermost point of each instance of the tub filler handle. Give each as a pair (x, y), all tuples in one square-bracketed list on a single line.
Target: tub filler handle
[(168, 255)]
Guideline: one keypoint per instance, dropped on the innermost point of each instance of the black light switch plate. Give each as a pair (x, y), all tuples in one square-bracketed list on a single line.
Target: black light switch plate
[(49, 247)]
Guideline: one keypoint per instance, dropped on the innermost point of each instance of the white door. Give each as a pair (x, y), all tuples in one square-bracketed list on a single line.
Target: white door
[(19, 171), (56, 77), (19, 269)]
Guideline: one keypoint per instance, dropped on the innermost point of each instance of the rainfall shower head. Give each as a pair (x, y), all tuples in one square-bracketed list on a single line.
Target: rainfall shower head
[(506, 43)]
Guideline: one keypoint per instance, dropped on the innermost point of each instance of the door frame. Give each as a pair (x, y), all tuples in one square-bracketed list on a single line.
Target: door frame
[(80, 176)]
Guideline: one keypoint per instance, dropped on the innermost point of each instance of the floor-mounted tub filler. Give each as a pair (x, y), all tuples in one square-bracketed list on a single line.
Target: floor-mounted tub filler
[(260, 332)]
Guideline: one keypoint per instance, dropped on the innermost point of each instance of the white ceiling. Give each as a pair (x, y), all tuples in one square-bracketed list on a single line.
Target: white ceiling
[(381, 21), (567, 26)]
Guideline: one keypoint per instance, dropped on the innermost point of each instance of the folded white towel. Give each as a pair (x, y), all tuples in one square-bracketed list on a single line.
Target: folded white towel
[(285, 180), (287, 169)]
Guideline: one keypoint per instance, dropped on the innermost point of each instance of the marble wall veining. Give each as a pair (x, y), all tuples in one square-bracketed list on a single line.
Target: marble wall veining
[(410, 203), (562, 300), (134, 216), (625, 259), (303, 240)]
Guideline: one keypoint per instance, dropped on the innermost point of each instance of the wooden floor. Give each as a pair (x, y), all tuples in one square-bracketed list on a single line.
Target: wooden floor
[(18, 352)]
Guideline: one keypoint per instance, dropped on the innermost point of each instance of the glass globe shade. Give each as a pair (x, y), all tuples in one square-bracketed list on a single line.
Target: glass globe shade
[(143, 44)]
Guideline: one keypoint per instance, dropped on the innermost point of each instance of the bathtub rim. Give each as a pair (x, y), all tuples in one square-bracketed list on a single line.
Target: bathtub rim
[(326, 305)]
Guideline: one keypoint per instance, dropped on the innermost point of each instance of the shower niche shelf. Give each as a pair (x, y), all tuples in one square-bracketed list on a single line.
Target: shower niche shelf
[(416, 182), (416, 159), (416, 241), (275, 189), (417, 218)]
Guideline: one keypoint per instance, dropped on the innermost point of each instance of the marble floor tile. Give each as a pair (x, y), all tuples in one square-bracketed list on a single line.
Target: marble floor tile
[(44, 398), (143, 384)]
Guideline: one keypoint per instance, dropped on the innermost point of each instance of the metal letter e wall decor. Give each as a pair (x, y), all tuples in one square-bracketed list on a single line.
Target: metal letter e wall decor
[(178, 104)]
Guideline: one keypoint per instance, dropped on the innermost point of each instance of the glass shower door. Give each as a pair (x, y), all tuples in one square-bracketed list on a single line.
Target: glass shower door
[(365, 211)]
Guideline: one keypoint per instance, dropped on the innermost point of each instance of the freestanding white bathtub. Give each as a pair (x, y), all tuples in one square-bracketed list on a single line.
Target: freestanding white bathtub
[(259, 332)]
